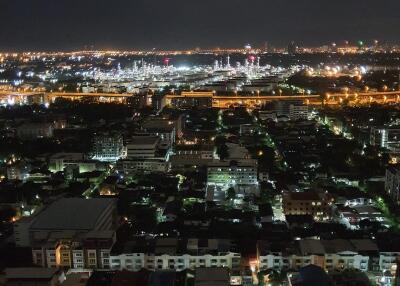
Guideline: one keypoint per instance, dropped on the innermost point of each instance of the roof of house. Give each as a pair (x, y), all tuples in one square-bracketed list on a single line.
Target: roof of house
[(30, 273), (311, 246), (212, 277), (129, 278)]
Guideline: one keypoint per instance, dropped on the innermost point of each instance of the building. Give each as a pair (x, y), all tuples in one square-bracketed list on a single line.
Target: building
[(107, 147), (297, 111), (173, 254), (212, 277), (392, 183), (78, 251), (27, 276), (31, 131), (168, 128), (389, 256), (142, 147), (386, 137), (316, 204), (292, 109), (336, 254), (200, 99), (267, 115), (67, 229), (60, 161), (144, 155), (189, 156), (18, 170), (129, 167), (242, 175), (141, 100), (292, 48)]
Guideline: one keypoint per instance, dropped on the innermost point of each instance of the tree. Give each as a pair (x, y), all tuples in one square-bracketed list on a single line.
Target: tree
[(231, 193), (222, 151)]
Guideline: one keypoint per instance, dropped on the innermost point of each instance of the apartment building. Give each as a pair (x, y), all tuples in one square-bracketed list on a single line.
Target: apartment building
[(70, 229), (316, 204), (392, 183), (328, 254), (174, 254), (142, 146)]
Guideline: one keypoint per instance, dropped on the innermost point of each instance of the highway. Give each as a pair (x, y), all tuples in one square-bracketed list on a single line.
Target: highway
[(225, 101)]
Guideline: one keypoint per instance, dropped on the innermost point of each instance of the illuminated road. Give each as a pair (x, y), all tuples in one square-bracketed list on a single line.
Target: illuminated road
[(225, 101)]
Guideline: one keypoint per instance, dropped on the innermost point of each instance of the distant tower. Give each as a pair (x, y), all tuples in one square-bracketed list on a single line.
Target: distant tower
[(292, 48), (228, 61), (216, 64)]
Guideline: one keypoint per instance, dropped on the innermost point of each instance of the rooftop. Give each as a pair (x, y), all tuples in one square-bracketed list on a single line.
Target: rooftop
[(303, 196), (143, 140), (72, 213), (212, 277), (30, 273)]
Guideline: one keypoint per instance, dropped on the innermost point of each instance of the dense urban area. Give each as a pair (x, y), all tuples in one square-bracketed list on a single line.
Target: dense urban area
[(201, 167)]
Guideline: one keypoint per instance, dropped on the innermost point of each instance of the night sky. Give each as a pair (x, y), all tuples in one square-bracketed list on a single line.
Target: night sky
[(181, 24)]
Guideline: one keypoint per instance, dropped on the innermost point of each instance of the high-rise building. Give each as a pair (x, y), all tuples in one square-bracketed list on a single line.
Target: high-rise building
[(392, 183)]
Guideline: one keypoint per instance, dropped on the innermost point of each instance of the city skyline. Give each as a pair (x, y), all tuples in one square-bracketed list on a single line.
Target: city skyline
[(72, 25), (193, 143)]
